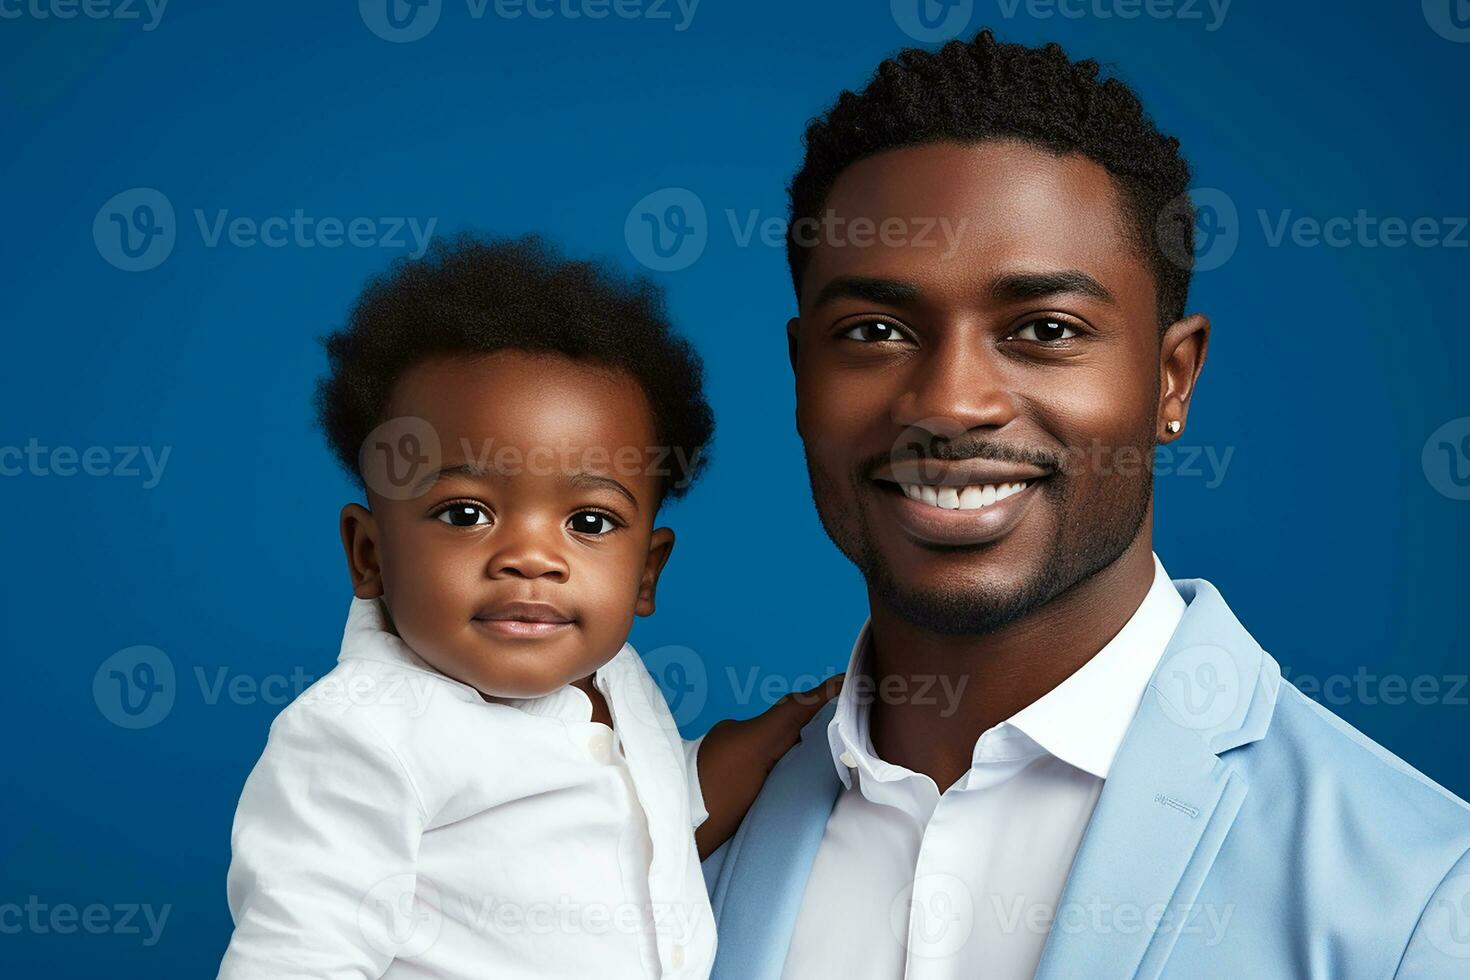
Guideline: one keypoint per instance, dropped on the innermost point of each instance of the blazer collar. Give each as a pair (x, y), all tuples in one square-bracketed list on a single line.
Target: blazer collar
[(759, 888), (1169, 800)]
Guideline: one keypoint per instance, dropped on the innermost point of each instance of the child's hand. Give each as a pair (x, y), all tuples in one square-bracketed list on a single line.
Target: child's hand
[(736, 756)]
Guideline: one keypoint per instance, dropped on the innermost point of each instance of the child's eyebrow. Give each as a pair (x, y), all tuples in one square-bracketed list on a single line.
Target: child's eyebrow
[(459, 469), (595, 482)]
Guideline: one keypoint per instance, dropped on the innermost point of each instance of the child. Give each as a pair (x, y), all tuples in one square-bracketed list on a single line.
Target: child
[(489, 784)]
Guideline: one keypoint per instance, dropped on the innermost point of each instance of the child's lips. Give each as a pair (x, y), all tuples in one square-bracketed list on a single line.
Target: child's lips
[(523, 619), (520, 627)]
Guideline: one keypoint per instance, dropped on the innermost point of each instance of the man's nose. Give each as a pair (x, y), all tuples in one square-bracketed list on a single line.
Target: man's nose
[(958, 385), (530, 550)]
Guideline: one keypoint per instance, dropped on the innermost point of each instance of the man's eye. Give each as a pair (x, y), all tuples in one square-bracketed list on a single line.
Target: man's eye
[(872, 331), (1045, 329), (591, 522), (464, 515)]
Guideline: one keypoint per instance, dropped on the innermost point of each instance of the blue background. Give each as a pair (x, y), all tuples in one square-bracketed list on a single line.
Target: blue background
[(1329, 369)]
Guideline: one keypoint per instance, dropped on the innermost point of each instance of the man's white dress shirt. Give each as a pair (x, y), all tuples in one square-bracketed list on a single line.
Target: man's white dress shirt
[(910, 882), (400, 825)]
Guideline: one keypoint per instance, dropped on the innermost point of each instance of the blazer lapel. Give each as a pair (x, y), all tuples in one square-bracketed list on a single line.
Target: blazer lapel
[(1168, 802), (758, 891)]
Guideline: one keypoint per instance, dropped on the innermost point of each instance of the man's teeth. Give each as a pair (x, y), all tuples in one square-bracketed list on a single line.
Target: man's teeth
[(962, 498)]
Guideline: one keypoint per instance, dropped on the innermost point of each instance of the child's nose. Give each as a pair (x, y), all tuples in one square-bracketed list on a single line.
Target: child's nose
[(528, 556)]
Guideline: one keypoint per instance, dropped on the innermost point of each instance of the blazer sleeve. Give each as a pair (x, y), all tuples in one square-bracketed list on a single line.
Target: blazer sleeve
[(1439, 949), (322, 875)]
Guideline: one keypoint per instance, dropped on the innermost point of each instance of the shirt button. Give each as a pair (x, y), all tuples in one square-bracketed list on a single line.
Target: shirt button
[(599, 746), (678, 957), (847, 760)]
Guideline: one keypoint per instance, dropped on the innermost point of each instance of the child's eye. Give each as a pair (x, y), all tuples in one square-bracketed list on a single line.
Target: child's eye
[(1045, 329), (591, 522), (464, 515)]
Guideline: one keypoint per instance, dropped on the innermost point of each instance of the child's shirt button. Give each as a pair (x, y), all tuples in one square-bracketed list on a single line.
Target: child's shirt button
[(599, 746)]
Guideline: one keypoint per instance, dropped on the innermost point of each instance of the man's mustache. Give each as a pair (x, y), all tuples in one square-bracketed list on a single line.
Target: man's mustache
[(919, 449)]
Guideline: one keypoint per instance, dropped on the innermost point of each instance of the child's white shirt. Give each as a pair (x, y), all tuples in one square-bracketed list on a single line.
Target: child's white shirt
[(399, 825)]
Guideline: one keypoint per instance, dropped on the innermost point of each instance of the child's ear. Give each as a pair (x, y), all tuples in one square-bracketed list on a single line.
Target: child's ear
[(660, 546), (360, 542)]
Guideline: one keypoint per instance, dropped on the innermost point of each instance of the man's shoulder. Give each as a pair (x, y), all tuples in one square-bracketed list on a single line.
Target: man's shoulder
[(1339, 748), (1306, 757), (1333, 771)]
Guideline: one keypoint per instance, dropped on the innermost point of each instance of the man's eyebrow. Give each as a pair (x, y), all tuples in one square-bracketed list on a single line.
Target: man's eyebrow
[(591, 481), (1035, 285), (432, 477), (890, 291)]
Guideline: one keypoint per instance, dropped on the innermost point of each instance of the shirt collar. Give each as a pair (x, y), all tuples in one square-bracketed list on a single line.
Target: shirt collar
[(367, 637), (1081, 721)]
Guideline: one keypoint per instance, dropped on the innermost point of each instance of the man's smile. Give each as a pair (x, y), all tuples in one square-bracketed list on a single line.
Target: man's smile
[(972, 497), (957, 502)]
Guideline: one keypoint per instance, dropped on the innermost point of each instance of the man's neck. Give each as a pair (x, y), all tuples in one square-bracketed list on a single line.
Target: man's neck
[(983, 680)]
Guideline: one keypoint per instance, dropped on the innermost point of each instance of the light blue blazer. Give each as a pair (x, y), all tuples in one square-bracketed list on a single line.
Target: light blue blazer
[(1232, 794)]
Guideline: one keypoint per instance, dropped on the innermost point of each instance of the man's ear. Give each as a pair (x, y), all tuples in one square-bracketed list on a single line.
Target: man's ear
[(660, 546), (1181, 358), (793, 328), (360, 542)]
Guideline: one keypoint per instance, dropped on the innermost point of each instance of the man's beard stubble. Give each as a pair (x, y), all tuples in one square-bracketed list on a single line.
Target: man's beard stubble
[(1078, 550)]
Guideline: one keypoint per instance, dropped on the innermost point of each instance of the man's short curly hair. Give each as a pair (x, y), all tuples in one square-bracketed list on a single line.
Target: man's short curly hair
[(985, 89), (469, 297)]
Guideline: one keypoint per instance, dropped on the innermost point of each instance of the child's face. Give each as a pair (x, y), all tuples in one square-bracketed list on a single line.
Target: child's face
[(532, 503)]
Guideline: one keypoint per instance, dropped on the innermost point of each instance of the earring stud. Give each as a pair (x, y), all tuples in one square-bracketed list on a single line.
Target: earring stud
[(1173, 426)]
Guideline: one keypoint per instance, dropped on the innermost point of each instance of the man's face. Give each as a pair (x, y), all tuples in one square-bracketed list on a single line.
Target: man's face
[(978, 412)]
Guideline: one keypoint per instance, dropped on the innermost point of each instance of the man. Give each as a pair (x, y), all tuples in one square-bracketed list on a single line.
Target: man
[(1121, 784)]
